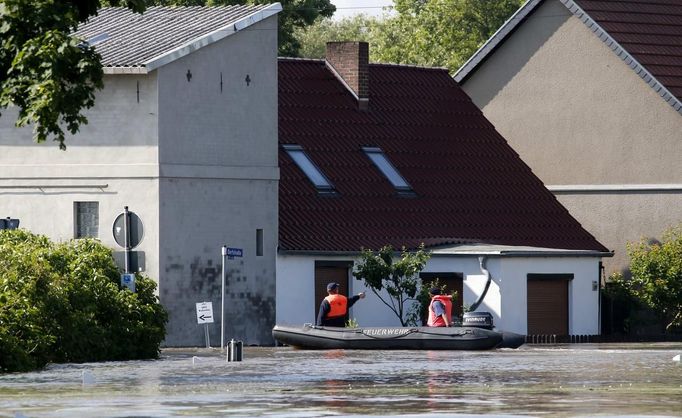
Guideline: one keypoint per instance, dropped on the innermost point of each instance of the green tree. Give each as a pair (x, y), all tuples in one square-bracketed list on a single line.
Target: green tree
[(63, 303), (48, 75), (400, 278), (295, 14), (657, 276), (313, 38), (442, 33)]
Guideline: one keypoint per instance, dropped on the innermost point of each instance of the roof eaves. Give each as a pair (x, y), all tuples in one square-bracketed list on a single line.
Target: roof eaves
[(489, 46), (233, 27), (642, 72), (125, 70)]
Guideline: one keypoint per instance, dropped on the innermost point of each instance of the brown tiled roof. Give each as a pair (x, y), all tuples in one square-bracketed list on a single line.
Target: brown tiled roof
[(650, 30), (469, 185)]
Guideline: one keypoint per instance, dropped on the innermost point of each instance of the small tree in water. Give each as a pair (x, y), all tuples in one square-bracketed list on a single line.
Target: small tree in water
[(400, 278)]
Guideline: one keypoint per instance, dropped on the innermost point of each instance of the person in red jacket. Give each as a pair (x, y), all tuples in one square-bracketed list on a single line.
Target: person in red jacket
[(334, 307), (440, 309)]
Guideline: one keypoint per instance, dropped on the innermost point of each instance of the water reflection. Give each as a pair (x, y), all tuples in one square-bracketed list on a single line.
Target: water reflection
[(563, 380)]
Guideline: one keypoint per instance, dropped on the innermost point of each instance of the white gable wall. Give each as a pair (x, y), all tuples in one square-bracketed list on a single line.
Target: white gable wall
[(219, 176)]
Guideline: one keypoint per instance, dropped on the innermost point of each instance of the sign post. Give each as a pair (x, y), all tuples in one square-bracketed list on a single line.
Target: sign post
[(205, 316), (230, 253)]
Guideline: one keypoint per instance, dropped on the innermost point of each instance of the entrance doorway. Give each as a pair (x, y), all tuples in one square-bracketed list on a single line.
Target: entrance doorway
[(327, 272)]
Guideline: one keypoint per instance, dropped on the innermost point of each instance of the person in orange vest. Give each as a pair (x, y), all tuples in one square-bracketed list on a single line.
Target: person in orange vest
[(440, 309), (334, 307)]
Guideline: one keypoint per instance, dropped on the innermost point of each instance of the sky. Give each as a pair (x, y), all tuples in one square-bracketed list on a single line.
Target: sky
[(346, 8)]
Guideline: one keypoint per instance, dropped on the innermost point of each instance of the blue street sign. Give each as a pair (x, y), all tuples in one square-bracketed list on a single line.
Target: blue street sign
[(234, 252)]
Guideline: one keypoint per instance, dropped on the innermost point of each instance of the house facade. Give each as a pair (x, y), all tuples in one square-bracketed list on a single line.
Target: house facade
[(375, 154), (184, 134), (588, 93)]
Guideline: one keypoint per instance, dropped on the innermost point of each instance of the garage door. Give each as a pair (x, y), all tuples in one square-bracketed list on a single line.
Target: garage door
[(548, 304)]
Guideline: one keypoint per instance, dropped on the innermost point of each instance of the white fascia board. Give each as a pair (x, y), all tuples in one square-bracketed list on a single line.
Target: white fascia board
[(514, 251), (212, 37), (613, 188), (499, 36), (125, 70)]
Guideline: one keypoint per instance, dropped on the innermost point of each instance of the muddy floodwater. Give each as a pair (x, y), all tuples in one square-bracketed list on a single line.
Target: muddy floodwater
[(534, 380)]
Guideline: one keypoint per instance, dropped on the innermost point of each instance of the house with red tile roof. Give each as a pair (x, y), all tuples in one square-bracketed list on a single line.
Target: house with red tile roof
[(378, 154), (589, 93)]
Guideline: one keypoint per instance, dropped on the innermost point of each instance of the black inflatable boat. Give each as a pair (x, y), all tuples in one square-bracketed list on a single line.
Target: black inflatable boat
[(395, 338)]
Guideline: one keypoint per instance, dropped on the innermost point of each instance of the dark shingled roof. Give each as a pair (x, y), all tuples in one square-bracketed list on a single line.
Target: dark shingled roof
[(650, 30), (469, 185)]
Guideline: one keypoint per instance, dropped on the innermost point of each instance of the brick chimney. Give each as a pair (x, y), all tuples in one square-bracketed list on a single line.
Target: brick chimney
[(350, 62)]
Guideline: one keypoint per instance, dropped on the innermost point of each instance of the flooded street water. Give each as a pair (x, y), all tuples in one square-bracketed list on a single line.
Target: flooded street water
[(563, 380)]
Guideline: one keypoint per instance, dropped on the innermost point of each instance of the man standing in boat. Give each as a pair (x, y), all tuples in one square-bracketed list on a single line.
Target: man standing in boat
[(440, 309), (334, 307)]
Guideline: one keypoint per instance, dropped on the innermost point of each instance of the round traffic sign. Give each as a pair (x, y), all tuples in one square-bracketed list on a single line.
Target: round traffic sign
[(135, 233)]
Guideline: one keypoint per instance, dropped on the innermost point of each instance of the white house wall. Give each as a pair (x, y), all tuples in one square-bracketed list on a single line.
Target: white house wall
[(583, 305), (219, 175), (506, 298), (112, 161)]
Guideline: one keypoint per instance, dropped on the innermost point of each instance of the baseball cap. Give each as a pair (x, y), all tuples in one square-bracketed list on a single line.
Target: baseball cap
[(434, 291), (332, 286)]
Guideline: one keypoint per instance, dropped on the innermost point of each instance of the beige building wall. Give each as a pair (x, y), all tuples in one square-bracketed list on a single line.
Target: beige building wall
[(596, 134)]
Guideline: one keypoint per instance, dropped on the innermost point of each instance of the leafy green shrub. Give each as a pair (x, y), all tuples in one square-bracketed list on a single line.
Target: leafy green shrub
[(656, 281), (63, 303)]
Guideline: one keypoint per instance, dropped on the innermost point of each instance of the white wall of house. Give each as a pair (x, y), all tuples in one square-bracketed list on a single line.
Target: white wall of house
[(197, 164), (112, 161), (505, 300)]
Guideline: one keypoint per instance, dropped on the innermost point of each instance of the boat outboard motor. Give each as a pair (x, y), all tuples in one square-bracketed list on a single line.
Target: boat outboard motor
[(478, 320)]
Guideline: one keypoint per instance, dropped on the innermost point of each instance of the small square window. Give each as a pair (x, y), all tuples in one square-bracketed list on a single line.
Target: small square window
[(86, 219)]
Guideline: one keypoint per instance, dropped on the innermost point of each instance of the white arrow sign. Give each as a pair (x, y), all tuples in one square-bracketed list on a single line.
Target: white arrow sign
[(204, 312)]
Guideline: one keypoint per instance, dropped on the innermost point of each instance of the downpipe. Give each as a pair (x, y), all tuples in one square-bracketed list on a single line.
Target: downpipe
[(481, 264)]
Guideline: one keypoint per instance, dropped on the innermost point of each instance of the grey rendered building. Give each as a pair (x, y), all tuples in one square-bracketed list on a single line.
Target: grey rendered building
[(185, 135), (589, 94)]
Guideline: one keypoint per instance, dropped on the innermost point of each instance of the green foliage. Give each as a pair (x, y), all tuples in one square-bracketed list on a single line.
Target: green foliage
[(47, 74), (314, 38), (352, 323), (295, 14), (62, 303), (399, 278), (440, 33), (419, 312), (657, 275)]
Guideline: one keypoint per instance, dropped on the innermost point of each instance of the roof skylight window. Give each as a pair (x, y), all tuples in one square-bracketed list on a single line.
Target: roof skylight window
[(379, 159), (308, 167)]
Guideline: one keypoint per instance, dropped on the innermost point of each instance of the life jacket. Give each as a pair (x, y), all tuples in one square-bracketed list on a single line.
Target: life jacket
[(438, 321), (338, 305)]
